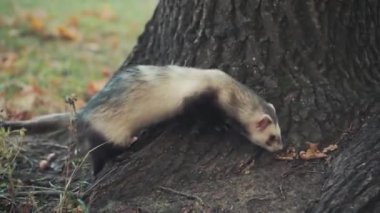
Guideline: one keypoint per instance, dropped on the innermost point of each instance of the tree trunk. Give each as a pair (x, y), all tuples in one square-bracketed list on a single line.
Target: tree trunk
[(316, 61)]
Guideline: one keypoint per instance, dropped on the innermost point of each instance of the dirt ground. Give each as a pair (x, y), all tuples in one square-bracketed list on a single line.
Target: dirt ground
[(43, 189), (267, 185)]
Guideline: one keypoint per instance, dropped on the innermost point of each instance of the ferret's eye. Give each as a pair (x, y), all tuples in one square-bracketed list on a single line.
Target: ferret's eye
[(272, 138)]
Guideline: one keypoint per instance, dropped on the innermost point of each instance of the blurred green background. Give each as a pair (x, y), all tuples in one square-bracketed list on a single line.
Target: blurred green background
[(52, 49)]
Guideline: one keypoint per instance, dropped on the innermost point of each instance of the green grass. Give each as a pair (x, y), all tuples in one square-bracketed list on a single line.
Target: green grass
[(60, 67), (9, 151)]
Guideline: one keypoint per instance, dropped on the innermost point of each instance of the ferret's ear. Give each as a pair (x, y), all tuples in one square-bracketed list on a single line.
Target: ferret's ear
[(271, 106), (263, 122)]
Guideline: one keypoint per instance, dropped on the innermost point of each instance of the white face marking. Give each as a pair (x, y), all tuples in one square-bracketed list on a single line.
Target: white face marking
[(264, 133)]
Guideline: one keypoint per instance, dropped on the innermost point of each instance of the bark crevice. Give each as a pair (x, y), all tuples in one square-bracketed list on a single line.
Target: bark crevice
[(316, 61)]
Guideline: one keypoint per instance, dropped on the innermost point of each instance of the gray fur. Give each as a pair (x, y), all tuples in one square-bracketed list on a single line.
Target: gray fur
[(143, 95), (270, 111)]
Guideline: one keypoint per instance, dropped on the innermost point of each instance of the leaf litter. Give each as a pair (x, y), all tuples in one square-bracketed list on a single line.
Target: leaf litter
[(39, 180)]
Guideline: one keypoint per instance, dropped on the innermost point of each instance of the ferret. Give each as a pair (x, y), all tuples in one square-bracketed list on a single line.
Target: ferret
[(144, 95)]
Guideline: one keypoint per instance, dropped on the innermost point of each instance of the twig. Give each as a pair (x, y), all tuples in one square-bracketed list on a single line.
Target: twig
[(51, 144), (97, 182), (8, 199), (263, 198), (312, 171), (73, 174), (38, 187), (282, 192), (39, 192), (193, 197)]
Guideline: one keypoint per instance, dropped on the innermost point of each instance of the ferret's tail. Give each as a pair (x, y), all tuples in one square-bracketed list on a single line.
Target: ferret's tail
[(45, 123)]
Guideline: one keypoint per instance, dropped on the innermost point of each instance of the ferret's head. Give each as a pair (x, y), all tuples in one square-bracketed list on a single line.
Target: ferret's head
[(264, 130)]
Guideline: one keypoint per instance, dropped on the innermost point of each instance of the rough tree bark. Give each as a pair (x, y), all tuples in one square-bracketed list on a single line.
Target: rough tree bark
[(316, 60)]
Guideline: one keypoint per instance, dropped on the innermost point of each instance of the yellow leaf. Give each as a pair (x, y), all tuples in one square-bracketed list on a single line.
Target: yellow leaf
[(68, 33), (36, 22), (107, 13)]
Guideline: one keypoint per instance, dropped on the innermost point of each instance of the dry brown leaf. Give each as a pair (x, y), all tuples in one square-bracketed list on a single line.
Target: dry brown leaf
[(92, 46), (107, 13), (19, 115), (2, 21), (26, 206), (290, 154), (36, 22), (94, 87), (313, 146), (90, 13), (77, 209), (80, 103), (73, 21), (106, 72), (23, 103), (24, 100), (37, 89), (3, 113), (68, 33), (113, 41), (330, 148), (312, 152), (7, 60)]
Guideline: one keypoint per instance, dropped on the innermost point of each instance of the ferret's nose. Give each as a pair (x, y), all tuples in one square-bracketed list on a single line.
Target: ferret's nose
[(279, 145)]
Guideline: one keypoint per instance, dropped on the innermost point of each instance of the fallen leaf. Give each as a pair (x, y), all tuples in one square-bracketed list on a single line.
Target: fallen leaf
[(92, 46), (106, 72), (114, 41), (330, 148), (107, 13), (24, 100), (73, 21), (19, 115), (312, 152), (289, 155), (7, 60), (36, 22), (68, 33), (311, 155), (3, 114), (2, 21), (80, 103), (36, 88), (94, 87), (26, 207), (77, 209), (90, 13)]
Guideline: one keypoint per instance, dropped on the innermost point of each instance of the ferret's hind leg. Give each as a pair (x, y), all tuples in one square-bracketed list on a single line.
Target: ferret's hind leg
[(101, 150)]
